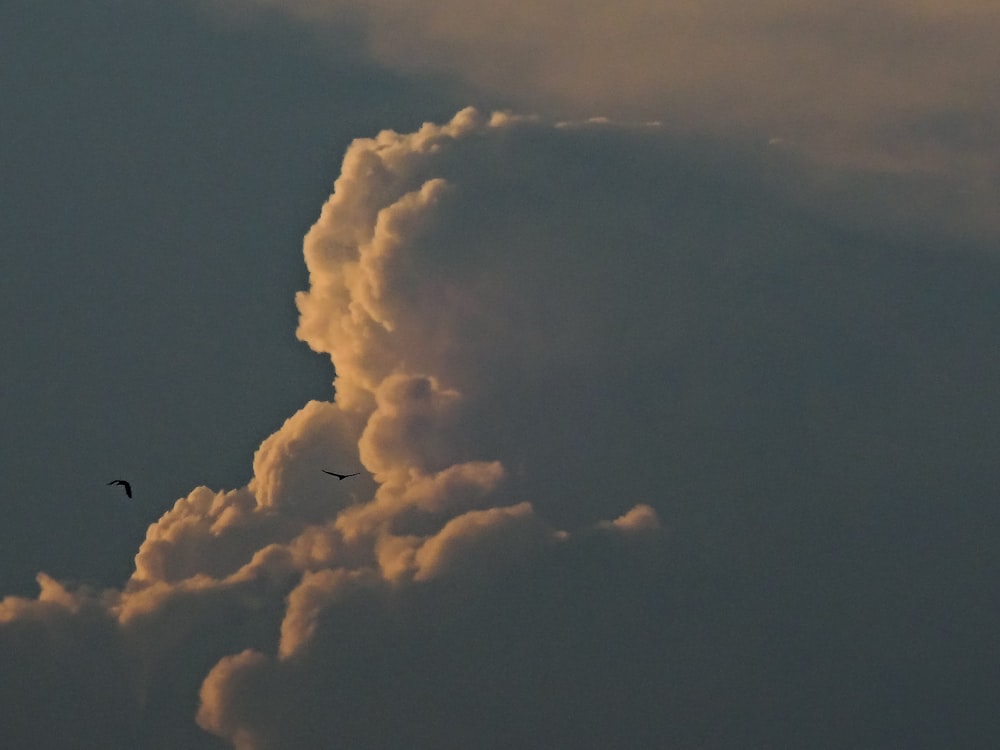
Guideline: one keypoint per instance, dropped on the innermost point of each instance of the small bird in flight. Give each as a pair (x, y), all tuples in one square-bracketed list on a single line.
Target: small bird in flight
[(123, 483), (340, 476)]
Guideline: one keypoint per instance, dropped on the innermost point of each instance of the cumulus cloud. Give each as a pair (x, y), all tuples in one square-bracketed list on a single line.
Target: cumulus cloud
[(552, 344)]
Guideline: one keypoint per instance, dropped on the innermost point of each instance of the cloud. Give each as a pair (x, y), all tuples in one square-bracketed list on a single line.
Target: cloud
[(552, 345), (551, 327), (640, 519), (68, 677), (897, 85), (480, 539), (486, 660)]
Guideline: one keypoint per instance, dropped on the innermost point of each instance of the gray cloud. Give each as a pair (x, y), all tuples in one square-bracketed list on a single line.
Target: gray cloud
[(68, 678)]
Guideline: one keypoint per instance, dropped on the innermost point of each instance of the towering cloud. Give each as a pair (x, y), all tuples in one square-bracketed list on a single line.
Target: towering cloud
[(655, 455)]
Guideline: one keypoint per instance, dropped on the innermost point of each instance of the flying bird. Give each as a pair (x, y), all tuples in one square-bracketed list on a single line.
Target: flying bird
[(123, 483), (340, 476)]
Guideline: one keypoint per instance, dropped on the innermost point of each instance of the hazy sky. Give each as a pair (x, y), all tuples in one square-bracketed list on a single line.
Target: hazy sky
[(665, 337)]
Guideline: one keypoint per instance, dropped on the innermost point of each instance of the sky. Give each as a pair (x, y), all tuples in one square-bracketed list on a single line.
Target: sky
[(664, 338)]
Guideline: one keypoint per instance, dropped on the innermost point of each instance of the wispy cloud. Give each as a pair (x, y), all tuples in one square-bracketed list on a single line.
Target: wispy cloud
[(893, 85)]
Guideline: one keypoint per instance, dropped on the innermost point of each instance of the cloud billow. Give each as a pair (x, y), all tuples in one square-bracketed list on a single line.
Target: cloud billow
[(656, 456)]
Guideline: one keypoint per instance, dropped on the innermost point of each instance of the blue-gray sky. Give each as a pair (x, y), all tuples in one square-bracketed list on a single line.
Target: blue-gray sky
[(676, 427)]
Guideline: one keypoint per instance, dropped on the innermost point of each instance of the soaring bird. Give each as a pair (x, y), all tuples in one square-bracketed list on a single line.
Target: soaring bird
[(123, 483), (340, 476)]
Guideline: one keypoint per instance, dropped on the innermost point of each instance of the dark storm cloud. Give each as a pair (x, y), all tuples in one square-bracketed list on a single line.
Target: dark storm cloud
[(795, 395), (789, 411)]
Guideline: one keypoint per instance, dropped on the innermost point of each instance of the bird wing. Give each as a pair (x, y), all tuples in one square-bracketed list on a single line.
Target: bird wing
[(340, 476), (123, 483)]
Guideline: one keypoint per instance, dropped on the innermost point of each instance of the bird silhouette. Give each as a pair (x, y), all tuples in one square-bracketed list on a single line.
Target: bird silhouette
[(340, 476), (123, 483)]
